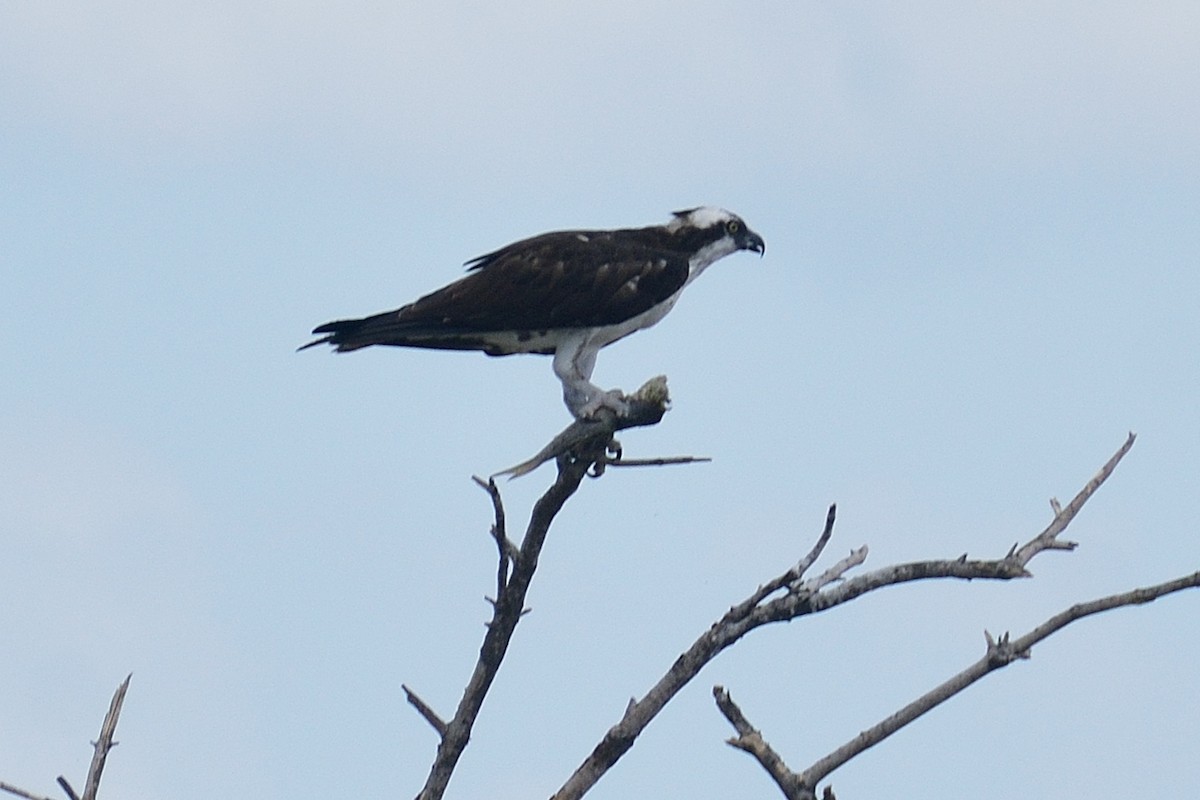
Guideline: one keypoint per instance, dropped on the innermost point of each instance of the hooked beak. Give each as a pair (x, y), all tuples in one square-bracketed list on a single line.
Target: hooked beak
[(753, 241)]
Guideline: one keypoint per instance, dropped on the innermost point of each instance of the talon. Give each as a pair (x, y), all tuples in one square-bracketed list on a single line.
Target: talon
[(613, 400)]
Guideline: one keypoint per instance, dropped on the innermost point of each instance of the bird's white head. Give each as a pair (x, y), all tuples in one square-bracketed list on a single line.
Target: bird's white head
[(711, 234)]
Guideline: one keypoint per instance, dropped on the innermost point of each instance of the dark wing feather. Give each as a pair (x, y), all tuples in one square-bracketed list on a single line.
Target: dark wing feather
[(557, 280), (566, 279)]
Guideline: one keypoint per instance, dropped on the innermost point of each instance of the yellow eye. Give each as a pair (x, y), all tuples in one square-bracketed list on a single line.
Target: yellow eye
[(732, 226)]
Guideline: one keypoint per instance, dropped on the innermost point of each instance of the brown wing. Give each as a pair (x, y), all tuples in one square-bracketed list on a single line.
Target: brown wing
[(558, 280), (567, 279)]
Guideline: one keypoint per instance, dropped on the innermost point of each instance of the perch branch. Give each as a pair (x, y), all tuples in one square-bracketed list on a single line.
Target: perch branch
[(801, 598), (646, 407), (575, 458)]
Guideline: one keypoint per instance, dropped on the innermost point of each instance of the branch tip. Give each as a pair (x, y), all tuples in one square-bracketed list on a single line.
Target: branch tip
[(1063, 515), (66, 787), (425, 710)]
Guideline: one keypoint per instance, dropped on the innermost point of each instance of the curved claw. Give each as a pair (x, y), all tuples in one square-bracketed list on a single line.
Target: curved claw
[(613, 400)]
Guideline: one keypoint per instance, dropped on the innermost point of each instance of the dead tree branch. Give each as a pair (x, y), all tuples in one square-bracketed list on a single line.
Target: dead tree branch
[(427, 713), (646, 407), (790, 596), (105, 742), (751, 741), (19, 792), (507, 609), (101, 746), (1048, 539), (1000, 653), (580, 450)]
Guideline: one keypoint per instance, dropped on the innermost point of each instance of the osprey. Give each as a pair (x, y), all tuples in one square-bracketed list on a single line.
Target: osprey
[(566, 294)]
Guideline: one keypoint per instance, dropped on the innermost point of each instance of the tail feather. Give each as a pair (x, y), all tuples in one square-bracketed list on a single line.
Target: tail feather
[(351, 334), (388, 329)]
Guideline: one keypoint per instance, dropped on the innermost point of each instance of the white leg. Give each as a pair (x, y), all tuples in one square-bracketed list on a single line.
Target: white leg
[(574, 361)]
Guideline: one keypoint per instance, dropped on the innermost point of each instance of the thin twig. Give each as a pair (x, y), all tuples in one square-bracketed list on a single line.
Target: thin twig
[(663, 461), (819, 547), (424, 709), (1048, 539), (834, 573), (19, 792), (795, 573), (751, 741), (507, 551)]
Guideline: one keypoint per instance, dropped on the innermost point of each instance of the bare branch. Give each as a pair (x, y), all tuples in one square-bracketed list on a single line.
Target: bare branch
[(819, 547), (828, 590), (661, 461), (751, 741), (1000, 653), (105, 743), (834, 573), (639, 713), (100, 747), (507, 551), (795, 573), (19, 792), (1048, 539), (509, 604), (424, 709)]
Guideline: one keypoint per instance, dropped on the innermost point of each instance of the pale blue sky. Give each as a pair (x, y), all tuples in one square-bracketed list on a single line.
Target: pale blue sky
[(983, 234)]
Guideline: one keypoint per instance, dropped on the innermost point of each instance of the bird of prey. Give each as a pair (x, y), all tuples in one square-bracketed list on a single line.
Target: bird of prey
[(566, 294)]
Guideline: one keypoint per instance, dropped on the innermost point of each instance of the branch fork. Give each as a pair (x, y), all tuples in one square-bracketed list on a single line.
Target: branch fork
[(999, 654), (801, 597)]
